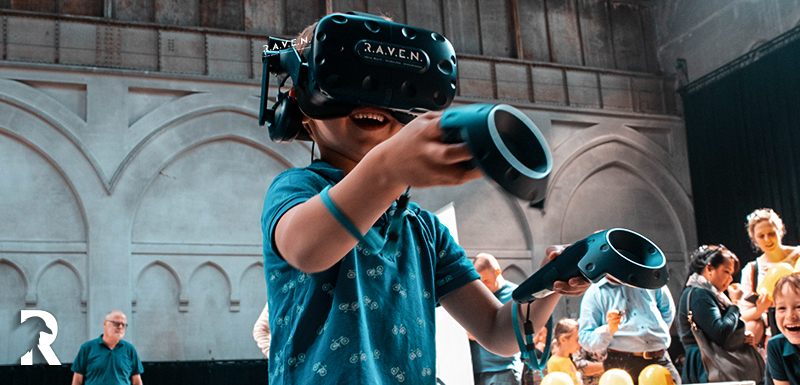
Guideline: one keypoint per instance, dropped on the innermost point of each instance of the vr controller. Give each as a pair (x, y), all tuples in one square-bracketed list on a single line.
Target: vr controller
[(625, 255)]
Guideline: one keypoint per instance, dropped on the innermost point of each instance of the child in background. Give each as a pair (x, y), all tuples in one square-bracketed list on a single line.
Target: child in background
[(783, 350), (565, 343)]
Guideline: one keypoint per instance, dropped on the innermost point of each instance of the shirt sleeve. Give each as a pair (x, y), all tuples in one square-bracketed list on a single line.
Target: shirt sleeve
[(138, 368), (666, 305), (261, 331), (593, 334), (706, 314), (774, 362), (453, 269), (79, 365), (288, 189)]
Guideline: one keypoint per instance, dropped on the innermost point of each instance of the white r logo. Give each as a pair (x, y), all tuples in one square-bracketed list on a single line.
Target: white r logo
[(45, 339)]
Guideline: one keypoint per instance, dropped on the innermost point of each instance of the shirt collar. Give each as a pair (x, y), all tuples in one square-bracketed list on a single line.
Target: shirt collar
[(326, 170), (790, 349), (605, 282), (100, 339)]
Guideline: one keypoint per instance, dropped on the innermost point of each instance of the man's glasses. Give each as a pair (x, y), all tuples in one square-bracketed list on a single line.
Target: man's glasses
[(118, 324)]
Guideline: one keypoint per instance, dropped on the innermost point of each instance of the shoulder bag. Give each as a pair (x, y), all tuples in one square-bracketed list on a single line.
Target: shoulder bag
[(727, 363)]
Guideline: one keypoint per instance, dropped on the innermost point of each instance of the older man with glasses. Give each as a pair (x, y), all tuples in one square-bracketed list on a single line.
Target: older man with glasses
[(108, 359)]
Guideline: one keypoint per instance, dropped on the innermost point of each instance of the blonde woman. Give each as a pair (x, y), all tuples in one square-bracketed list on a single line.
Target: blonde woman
[(766, 231)]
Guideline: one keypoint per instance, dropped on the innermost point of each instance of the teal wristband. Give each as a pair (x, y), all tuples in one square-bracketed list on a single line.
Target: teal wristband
[(372, 244)]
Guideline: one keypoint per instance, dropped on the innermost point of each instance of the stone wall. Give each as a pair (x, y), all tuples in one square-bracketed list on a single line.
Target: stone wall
[(609, 34), (709, 34)]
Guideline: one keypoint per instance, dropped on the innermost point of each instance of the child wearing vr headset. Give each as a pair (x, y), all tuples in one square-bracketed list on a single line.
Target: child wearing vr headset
[(345, 308)]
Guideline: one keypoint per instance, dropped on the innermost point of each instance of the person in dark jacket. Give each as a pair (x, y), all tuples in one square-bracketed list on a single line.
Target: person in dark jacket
[(714, 312)]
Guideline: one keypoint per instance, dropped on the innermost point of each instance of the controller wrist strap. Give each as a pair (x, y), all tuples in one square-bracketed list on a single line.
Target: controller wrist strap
[(372, 240), (526, 347)]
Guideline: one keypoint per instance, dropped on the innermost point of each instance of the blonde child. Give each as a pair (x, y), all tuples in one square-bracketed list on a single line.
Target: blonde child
[(783, 350), (565, 343)]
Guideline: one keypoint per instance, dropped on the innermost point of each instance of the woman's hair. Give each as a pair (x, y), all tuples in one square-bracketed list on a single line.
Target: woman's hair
[(564, 327), (792, 280), (713, 256), (761, 215)]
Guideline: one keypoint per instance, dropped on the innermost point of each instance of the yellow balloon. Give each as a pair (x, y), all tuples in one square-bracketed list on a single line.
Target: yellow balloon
[(557, 378), (797, 266), (616, 377), (774, 273), (655, 375)]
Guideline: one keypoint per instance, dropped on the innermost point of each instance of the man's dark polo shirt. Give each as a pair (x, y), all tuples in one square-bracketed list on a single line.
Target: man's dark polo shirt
[(103, 366), (784, 360)]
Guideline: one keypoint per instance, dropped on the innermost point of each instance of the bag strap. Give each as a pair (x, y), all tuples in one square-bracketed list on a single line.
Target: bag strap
[(753, 275)]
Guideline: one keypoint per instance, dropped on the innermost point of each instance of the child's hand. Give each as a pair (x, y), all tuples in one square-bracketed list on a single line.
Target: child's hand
[(417, 157)]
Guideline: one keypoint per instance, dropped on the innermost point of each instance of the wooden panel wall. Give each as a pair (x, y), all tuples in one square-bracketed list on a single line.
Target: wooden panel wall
[(607, 34)]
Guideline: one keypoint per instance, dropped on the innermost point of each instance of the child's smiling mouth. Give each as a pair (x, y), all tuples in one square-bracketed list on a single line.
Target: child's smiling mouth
[(369, 119)]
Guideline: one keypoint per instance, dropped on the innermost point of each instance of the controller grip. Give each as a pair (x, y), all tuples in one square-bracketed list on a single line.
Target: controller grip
[(564, 267)]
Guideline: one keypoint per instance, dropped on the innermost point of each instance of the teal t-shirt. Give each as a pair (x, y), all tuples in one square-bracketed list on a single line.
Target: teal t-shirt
[(484, 361), (369, 319), (783, 359), (100, 365)]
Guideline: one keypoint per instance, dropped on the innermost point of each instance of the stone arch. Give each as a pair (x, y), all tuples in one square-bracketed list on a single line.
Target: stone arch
[(53, 159), (177, 141), (258, 267), (514, 273), (62, 290), (600, 135), (160, 300), (55, 116), (209, 302), (174, 116), (16, 337), (252, 292), (661, 189), (224, 274), (82, 285), (182, 297), (19, 271), (637, 160)]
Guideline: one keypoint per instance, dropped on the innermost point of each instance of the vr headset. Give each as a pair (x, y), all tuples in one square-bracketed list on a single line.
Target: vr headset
[(356, 59)]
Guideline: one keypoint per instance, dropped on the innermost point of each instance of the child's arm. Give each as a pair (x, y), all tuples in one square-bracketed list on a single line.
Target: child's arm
[(490, 322), (309, 238)]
